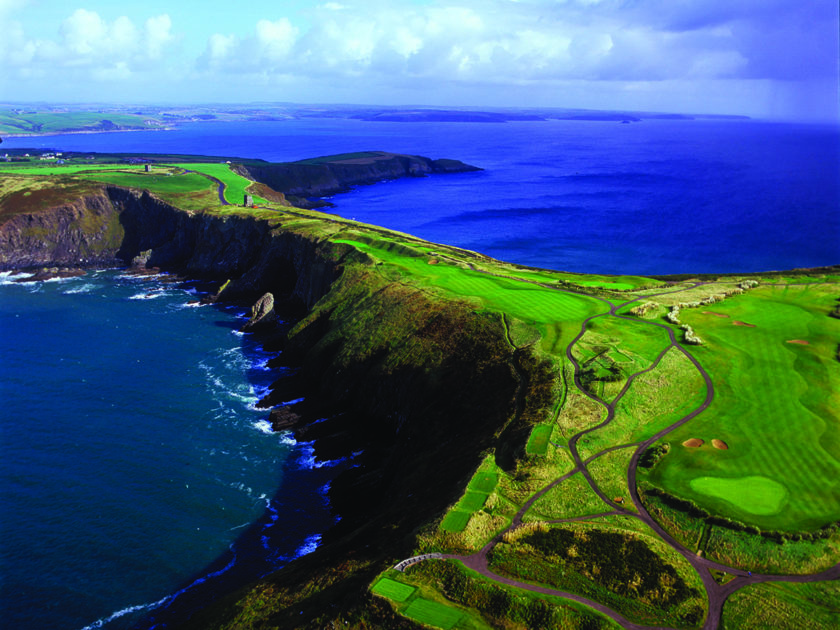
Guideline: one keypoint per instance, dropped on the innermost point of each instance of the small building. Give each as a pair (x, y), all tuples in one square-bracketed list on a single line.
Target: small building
[(249, 201), (148, 168)]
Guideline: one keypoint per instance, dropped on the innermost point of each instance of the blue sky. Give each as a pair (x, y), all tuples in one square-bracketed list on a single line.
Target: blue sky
[(765, 58)]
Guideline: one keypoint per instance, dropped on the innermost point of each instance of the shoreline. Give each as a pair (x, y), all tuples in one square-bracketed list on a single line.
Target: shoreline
[(80, 132)]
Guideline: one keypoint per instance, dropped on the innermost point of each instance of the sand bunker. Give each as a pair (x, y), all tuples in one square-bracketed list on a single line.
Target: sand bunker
[(737, 323), (801, 342), (720, 444), (433, 261), (715, 314), (693, 443)]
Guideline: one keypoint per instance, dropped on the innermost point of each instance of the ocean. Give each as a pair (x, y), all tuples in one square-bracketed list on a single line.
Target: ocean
[(137, 474)]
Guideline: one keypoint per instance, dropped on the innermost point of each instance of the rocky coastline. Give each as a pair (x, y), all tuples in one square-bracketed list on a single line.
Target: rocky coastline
[(417, 424)]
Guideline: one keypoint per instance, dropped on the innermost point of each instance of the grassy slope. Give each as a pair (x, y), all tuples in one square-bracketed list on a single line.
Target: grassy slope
[(546, 320), (55, 122)]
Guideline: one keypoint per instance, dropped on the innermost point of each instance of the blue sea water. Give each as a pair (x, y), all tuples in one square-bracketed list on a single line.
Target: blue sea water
[(133, 463), (135, 471), (653, 197)]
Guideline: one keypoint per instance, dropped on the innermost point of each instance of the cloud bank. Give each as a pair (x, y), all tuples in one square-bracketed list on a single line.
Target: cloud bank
[(763, 54)]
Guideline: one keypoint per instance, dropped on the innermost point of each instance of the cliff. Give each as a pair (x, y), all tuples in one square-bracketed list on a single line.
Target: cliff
[(322, 177), (417, 385)]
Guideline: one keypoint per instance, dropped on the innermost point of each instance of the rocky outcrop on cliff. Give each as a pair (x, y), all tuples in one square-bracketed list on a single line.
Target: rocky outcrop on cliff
[(262, 316), (331, 175)]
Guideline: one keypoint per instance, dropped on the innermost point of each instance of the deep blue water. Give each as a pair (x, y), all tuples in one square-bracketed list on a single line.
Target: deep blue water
[(658, 196), (132, 457), (133, 466)]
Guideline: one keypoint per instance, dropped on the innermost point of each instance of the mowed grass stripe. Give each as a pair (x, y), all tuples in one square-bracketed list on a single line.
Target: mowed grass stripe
[(396, 591), (433, 613), (774, 403)]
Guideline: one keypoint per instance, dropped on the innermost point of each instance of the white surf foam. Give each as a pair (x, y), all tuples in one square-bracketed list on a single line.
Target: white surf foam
[(101, 623)]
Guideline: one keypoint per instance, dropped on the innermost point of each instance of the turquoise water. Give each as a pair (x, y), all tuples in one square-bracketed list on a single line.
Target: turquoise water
[(132, 459)]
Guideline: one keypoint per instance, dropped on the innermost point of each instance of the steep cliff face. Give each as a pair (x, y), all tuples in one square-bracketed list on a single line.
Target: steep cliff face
[(417, 387), (84, 231), (319, 178)]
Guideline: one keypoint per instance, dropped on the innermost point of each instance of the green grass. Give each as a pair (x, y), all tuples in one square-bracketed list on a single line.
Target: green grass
[(52, 122), (756, 495), (776, 407), (155, 182), (484, 481), (570, 498), (433, 613), (455, 521), (654, 401), (393, 590), (784, 606), (610, 473), (236, 185), (538, 441), (39, 168)]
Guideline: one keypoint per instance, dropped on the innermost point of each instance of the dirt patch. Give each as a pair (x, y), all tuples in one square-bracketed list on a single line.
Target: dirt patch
[(433, 261), (720, 444), (715, 314), (693, 443), (737, 323), (800, 342)]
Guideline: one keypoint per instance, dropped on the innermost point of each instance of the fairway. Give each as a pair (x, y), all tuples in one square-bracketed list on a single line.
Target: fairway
[(775, 407), (756, 495), (235, 185), (433, 614), (396, 591)]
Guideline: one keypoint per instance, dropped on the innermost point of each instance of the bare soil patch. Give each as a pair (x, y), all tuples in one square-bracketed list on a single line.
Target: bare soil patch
[(720, 444), (693, 442), (738, 323), (715, 314), (801, 342), (433, 261)]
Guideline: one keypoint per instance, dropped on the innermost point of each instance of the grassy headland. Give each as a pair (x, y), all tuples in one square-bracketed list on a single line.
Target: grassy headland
[(514, 420)]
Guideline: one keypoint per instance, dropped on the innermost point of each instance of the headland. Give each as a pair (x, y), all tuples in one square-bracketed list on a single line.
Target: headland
[(544, 446)]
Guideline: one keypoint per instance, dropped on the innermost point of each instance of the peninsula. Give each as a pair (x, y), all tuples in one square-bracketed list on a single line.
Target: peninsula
[(537, 449)]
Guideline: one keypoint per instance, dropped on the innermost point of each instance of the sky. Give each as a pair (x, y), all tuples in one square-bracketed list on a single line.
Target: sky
[(774, 59)]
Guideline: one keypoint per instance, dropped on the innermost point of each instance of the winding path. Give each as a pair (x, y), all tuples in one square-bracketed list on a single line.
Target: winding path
[(716, 594)]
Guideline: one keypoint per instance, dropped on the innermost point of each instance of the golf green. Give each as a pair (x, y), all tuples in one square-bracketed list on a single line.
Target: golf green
[(756, 495)]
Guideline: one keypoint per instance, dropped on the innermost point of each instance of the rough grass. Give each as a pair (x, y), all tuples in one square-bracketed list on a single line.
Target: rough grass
[(784, 606), (636, 575), (570, 498), (610, 473), (777, 406), (654, 401)]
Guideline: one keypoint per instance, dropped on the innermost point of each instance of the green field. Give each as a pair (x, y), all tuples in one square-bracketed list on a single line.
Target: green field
[(393, 590), (784, 606), (775, 407), (538, 442), (33, 122), (235, 185), (433, 614)]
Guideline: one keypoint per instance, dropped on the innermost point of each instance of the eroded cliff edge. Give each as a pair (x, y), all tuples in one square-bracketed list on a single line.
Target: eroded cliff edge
[(417, 384)]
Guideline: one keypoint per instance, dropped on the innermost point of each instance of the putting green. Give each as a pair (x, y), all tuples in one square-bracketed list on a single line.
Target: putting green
[(756, 495)]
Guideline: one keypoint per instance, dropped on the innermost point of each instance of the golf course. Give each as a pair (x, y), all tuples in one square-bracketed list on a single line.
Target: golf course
[(615, 451)]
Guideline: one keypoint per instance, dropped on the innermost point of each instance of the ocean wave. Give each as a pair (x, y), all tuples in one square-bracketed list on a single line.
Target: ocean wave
[(307, 459), (100, 623), (85, 288), (150, 295), (10, 277), (309, 545)]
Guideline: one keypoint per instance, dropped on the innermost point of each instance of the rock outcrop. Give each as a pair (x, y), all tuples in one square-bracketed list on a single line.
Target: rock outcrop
[(262, 315)]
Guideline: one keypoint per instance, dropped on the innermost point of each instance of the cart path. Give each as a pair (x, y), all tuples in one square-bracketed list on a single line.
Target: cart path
[(716, 594)]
